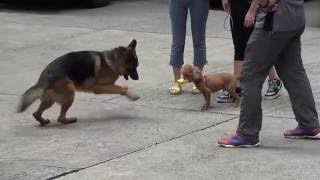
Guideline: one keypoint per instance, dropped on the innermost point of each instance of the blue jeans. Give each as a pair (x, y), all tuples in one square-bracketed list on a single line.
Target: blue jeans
[(199, 10)]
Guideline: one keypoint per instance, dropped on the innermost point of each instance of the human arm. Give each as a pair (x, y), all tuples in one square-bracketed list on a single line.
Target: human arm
[(251, 14), (226, 5), (271, 4)]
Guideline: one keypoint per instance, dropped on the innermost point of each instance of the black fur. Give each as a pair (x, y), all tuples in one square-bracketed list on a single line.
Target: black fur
[(77, 66)]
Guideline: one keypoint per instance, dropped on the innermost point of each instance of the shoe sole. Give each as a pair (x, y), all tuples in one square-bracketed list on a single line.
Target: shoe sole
[(272, 97), (304, 137), (240, 146), (224, 101), (275, 96), (175, 94)]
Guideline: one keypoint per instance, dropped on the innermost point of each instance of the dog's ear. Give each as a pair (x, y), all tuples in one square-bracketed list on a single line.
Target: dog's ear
[(133, 44), (197, 75)]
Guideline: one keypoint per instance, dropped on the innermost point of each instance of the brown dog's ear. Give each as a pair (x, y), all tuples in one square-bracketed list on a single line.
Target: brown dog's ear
[(133, 44), (197, 75)]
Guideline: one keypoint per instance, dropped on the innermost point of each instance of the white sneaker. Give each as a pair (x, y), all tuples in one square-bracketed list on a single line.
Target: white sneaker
[(274, 89)]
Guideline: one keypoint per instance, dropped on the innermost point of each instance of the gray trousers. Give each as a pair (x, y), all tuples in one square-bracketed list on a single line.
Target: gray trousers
[(199, 10), (283, 50)]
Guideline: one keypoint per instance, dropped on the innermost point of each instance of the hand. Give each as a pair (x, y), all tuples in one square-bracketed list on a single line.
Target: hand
[(249, 19), (273, 5), (226, 5)]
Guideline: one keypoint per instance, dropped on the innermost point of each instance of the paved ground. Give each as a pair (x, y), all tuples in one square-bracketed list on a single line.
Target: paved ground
[(157, 137)]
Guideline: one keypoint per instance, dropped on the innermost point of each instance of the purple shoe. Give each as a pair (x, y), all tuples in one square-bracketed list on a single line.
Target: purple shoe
[(302, 133), (237, 141)]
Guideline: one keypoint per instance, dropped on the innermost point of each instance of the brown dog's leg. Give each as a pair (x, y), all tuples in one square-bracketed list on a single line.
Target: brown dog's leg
[(235, 96), (115, 89), (46, 103), (206, 94), (206, 104)]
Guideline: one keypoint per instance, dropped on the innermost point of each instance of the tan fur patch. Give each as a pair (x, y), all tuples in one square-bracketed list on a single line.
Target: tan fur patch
[(63, 91), (97, 65)]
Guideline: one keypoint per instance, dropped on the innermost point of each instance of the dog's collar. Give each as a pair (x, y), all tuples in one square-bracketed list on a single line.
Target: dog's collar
[(204, 79)]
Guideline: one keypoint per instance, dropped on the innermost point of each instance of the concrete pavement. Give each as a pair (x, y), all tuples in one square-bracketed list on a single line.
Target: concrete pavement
[(157, 137)]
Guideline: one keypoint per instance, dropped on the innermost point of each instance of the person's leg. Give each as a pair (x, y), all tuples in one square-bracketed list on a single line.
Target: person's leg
[(260, 55), (291, 70), (262, 52), (240, 34), (178, 16), (240, 37), (225, 97), (199, 10), (176, 72), (237, 64)]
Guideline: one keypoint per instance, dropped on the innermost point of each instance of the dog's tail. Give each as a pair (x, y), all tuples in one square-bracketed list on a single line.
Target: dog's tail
[(29, 97)]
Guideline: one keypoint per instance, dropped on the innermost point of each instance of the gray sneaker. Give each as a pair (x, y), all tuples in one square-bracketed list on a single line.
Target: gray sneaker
[(226, 97), (274, 89)]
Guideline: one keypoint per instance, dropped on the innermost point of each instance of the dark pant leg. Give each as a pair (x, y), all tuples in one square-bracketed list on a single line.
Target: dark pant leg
[(263, 50), (291, 70), (178, 15), (199, 10)]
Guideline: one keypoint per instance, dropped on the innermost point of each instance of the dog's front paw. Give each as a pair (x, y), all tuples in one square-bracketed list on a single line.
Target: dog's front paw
[(204, 108), (132, 96), (236, 105), (125, 87)]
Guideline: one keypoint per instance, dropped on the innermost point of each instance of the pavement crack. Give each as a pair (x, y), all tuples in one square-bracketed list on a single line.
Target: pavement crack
[(141, 149)]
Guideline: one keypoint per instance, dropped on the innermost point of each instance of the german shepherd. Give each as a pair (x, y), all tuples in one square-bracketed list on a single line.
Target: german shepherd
[(88, 71)]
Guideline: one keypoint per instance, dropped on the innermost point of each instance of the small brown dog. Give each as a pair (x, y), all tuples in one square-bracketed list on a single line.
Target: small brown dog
[(211, 83)]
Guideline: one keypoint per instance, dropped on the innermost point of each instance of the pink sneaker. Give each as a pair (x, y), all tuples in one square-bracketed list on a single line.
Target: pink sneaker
[(237, 141), (302, 133)]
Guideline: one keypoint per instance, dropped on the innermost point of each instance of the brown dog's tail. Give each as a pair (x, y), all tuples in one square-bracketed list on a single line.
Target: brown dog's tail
[(29, 97)]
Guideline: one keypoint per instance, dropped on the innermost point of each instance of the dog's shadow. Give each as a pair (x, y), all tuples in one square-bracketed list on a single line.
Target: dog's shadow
[(85, 121)]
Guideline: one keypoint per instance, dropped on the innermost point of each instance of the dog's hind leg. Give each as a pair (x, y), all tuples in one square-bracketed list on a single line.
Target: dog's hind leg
[(64, 95), (64, 108), (46, 103)]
